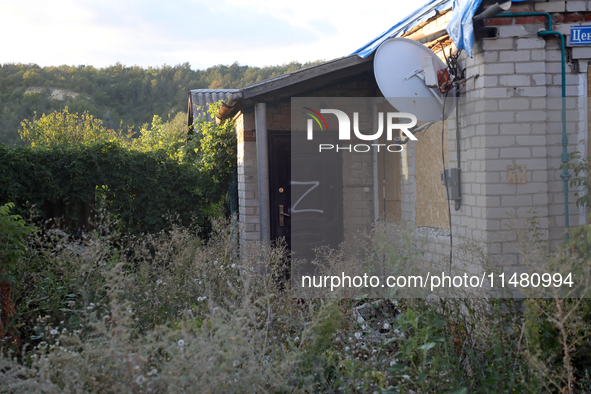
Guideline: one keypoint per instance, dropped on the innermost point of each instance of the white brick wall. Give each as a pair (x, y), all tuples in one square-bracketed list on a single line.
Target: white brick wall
[(248, 206), (551, 6), (519, 123), (576, 6)]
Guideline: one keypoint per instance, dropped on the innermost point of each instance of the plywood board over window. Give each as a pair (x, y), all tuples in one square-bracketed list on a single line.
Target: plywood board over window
[(431, 205)]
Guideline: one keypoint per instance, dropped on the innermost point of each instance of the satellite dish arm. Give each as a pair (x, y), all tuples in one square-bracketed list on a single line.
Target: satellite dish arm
[(416, 130)]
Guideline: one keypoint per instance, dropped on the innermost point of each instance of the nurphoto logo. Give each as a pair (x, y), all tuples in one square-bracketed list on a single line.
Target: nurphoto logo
[(391, 119)]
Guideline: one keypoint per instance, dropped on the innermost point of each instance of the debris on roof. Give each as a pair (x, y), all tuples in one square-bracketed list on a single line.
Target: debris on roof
[(423, 14), (201, 98), (460, 28)]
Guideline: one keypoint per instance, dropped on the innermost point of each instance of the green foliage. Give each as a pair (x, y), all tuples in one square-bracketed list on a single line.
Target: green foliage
[(424, 331), (582, 170), (121, 96), (213, 148), (74, 161), (140, 189), (170, 137), (557, 323), (57, 276), (59, 128), (13, 232), (579, 242)]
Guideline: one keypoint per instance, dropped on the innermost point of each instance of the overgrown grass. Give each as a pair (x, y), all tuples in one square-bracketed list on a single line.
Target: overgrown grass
[(171, 313)]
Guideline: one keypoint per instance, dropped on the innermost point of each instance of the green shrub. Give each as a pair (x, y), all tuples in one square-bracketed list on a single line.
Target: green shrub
[(140, 189), (74, 162), (13, 233)]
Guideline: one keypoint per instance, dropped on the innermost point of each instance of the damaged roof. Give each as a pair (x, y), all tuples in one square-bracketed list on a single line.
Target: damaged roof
[(199, 99), (422, 15)]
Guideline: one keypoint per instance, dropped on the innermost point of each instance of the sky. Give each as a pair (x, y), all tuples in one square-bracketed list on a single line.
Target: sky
[(203, 33)]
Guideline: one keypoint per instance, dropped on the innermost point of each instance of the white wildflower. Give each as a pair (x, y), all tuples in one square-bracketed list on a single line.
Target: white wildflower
[(358, 335), (53, 332), (181, 343)]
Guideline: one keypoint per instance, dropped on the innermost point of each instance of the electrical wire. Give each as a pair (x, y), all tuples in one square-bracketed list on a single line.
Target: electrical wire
[(445, 179), (458, 203), (458, 78), (384, 168)]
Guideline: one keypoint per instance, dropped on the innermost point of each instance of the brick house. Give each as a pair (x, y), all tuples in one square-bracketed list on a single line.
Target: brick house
[(510, 141)]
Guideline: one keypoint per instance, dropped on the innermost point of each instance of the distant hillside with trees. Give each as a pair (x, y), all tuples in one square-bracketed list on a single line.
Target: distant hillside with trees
[(120, 96)]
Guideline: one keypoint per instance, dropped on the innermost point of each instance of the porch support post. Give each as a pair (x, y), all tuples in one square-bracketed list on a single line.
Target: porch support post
[(260, 115)]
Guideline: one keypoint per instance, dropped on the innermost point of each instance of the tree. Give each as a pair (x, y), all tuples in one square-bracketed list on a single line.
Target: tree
[(170, 137), (64, 127)]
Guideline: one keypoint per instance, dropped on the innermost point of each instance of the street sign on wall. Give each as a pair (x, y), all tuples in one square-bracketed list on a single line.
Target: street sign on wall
[(580, 35)]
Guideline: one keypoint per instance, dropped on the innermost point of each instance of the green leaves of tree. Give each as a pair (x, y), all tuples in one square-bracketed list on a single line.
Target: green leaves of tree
[(12, 233), (213, 148), (121, 95), (582, 170), (63, 127)]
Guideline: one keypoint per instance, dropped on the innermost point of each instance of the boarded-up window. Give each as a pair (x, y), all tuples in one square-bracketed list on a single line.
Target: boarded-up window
[(431, 206)]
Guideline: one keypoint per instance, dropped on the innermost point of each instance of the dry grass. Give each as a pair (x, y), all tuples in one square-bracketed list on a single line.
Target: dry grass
[(172, 313)]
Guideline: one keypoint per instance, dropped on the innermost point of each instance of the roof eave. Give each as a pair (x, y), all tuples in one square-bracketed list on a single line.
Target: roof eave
[(297, 81)]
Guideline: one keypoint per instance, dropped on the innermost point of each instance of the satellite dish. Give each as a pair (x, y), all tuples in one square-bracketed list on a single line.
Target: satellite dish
[(406, 72)]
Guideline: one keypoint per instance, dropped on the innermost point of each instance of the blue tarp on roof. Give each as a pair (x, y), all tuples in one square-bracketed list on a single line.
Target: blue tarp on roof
[(423, 14), (460, 27)]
